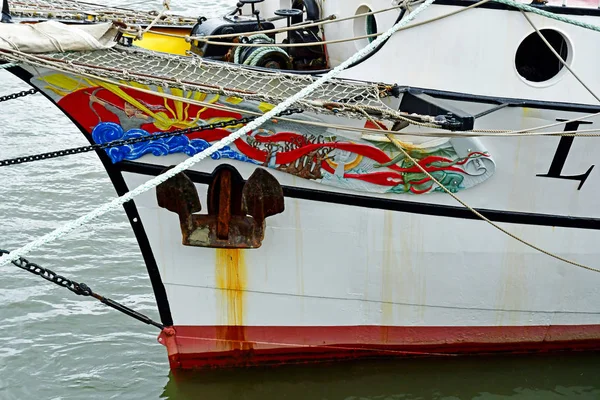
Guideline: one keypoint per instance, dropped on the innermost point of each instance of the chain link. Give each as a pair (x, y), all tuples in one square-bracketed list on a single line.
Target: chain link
[(22, 93), (80, 289), (117, 143), (49, 275), (8, 65)]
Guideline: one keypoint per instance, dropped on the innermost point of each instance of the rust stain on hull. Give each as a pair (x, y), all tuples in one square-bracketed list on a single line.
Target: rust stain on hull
[(230, 273), (387, 276)]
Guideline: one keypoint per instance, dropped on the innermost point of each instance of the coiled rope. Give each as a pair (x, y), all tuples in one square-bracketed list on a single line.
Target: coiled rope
[(114, 204), (256, 56)]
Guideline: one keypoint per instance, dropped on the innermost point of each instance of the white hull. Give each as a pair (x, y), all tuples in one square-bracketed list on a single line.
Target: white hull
[(352, 264)]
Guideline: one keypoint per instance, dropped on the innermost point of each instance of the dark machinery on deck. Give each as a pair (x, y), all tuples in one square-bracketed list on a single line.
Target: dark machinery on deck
[(246, 28)]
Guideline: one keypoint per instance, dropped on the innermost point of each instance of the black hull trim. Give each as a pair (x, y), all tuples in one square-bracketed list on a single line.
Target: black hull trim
[(510, 217), (115, 175), (121, 188)]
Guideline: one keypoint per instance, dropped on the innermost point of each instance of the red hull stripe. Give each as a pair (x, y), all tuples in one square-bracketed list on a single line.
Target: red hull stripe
[(222, 346)]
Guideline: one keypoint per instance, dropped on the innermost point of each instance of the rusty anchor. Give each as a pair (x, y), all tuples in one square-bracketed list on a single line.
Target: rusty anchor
[(236, 209)]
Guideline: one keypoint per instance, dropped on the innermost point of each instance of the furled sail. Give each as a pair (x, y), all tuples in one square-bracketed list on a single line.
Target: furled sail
[(52, 36)]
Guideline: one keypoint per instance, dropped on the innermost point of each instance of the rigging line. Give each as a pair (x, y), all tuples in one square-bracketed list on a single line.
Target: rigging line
[(329, 20), (68, 66), (555, 124), (97, 8), (484, 218), (523, 132), (536, 10), (473, 133), (414, 25), (563, 62), (570, 70), (325, 42), (172, 331), (152, 183), (399, 146), (320, 43), (394, 303), (166, 7), (47, 63)]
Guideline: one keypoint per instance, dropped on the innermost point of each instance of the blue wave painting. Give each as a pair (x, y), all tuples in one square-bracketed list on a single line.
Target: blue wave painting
[(109, 131)]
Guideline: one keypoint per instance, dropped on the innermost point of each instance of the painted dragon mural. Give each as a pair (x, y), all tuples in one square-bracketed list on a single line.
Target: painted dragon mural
[(369, 163)]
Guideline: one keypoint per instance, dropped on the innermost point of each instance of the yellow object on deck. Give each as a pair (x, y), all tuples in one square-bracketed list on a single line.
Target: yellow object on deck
[(166, 44)]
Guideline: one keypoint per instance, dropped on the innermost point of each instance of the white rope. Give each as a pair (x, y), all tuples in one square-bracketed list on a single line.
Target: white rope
[(8, 65), (294, 27), (399, 146), (544, 13), (166, 7), (36, 61), (152, 183)]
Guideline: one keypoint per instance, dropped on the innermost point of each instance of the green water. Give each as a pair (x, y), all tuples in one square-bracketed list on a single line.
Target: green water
[(54, 345), (485, 378)]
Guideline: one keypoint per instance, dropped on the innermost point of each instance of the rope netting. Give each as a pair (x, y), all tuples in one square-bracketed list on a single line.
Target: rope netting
[(189, 73), (152, 183), (165, 71), (81, 11)]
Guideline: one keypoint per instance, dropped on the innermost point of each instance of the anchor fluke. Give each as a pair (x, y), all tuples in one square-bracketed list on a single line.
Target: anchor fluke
[(236, 209), (262, 196), (178, 194)]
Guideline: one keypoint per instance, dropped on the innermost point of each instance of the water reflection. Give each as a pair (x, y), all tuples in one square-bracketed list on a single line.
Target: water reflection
[(515, 377)]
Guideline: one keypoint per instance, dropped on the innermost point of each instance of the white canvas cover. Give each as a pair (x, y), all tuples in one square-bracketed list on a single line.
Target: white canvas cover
[(53, 36)]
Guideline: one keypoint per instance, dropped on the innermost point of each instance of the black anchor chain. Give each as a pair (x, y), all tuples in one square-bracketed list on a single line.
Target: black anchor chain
[(80, 289), (22, 93), (117, 143)]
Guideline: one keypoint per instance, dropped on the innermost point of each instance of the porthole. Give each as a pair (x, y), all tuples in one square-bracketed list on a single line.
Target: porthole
[(364, 25), (371, 26), (535, 62)]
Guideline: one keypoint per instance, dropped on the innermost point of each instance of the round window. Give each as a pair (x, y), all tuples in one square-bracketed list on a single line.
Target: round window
[(535, 62), (364, 25), (371, 26)]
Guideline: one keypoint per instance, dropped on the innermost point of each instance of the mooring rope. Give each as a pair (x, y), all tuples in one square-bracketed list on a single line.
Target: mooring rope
[(481, 216), (557, 17), (328, 20), (8, 65), (208, 39), (36, 61), (398, 145), (166, 7), (85, 219)]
